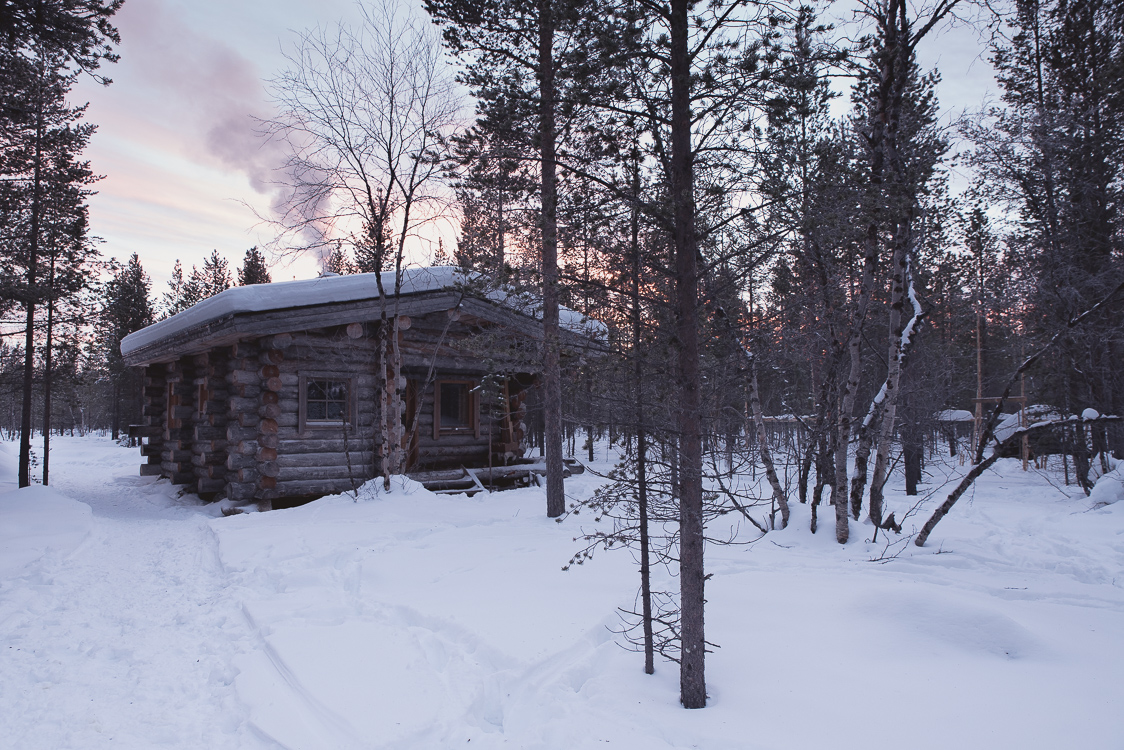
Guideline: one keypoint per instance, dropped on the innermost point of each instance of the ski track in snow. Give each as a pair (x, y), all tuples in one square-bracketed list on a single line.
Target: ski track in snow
[(128, 641)]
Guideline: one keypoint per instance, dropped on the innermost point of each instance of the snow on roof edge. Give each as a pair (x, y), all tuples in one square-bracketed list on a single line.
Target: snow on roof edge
[(327, 289)]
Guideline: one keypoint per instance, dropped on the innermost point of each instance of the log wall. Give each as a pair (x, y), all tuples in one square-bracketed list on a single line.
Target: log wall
[(228, 422)]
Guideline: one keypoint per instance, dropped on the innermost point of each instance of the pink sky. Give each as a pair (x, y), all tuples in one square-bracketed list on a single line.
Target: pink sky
[(185, 172)]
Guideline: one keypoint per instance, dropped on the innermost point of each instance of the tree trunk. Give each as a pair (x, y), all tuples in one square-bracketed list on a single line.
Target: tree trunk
[(692, 681), (641, 438), (913, 450), (32, 272), (851, 387), (893, 377), (763, 446), (47, 375), (552, 376)]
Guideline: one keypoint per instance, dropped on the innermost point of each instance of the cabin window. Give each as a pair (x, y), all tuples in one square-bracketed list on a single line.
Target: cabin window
[(455, 411), (325, 401)]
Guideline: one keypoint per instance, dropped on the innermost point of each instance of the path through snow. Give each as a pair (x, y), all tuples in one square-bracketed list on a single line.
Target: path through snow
[(128, 640)]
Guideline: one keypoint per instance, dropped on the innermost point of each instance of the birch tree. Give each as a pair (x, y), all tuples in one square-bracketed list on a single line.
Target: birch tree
[(362, 110)]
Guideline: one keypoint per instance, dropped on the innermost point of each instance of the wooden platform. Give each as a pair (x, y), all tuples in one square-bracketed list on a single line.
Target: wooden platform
[(465, 481)]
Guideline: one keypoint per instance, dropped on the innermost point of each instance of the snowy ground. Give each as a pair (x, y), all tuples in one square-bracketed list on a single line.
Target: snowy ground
[(134, 618)]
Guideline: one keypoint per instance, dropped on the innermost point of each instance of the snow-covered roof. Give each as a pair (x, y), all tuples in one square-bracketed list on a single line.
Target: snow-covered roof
[(282, 295)]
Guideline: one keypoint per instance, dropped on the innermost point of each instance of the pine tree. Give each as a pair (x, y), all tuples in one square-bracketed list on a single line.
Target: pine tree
[(125, 308), (175, 299), (254, 269), (339, 263), (42, 198), (213, 278)]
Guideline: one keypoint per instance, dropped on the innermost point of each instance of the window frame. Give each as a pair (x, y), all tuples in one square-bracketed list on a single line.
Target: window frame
[(351, 411), (473, 427)]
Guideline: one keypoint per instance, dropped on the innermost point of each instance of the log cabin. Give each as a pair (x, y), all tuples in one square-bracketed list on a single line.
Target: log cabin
[(273, 393)]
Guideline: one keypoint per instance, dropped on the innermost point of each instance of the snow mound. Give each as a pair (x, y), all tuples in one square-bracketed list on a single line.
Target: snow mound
[(1109, 489), (8, 467), (1035, 414), (35, 521), (955, 415), (951, 624)]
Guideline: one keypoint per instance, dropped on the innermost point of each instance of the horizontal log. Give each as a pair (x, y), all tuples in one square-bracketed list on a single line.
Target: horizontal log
[(206, 432), (267, 483), (290, 460), (248, 420), (273, 384), (152, 450), (268, 441), (145, 430), (243, 377), (210, 486), (269, 411), (270, 371), (313, 487), (179, 477), (268, 468), (209, 446), (236, 433), (271, 357), (238, 404), (246, 447), (240, 491), (245, 348), (246, 475), (181, 412), (208, 459), (304, 473), (323, 445), (151, 470), (247, 391), (270, 397), (236, 461), (178, 455), (280, 341), (153, 410), (268, 426)]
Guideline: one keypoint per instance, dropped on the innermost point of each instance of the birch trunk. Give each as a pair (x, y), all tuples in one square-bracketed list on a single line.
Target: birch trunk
[(851, 387), (763, 447)]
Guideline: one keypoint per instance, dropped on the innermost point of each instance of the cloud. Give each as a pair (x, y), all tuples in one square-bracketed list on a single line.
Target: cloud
[(209, 91)]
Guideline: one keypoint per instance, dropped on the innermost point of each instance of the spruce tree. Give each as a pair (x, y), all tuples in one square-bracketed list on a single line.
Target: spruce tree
[(125, 308), (254, 269)]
